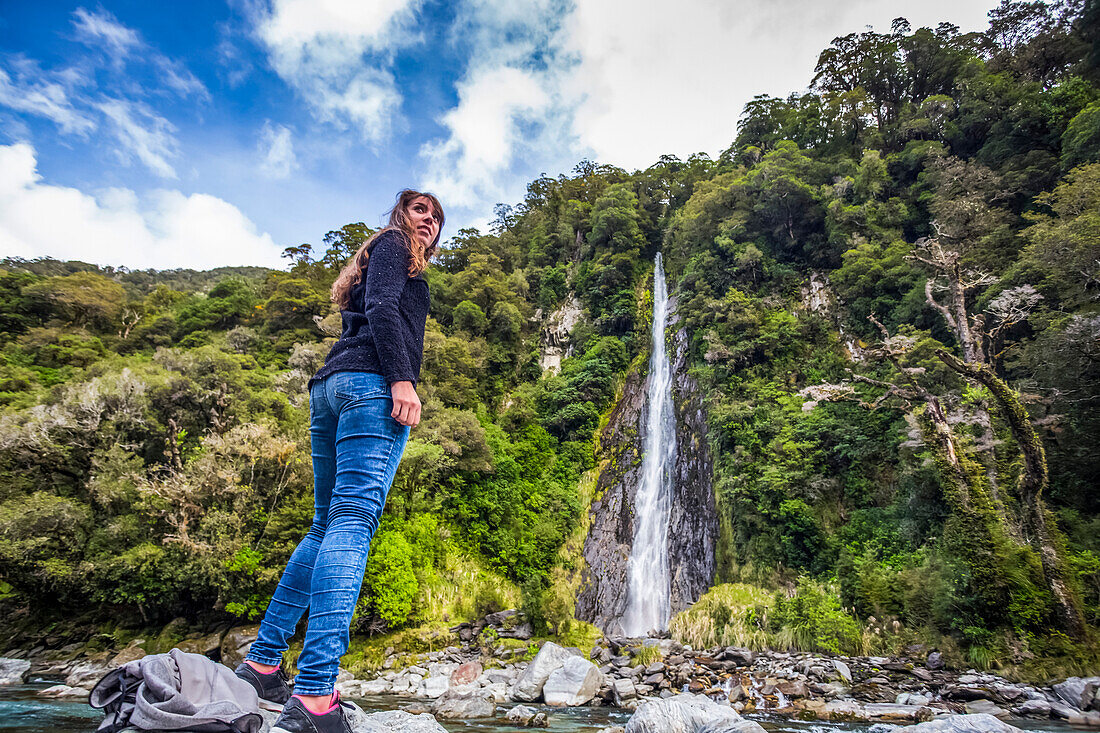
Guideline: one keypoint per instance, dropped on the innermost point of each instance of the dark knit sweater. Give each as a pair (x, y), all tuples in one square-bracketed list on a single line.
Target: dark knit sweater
[(384, 329)]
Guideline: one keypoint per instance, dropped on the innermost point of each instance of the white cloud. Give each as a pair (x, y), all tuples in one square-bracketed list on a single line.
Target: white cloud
[(45, 99), (657, 77), (164, 229), (337, 53), (102, 30), (494, 106), (277, 151), (143, 134)]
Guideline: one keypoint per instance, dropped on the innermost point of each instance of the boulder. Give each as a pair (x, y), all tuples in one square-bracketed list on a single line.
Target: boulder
[(236, 643), (843, 670), (1036, 708), (934, 661), (622, 690), (894, 713), (60, 691), (687, 713), (13, 670), (466, 673), (978, 723), (435, 686), (572, 684), (87, 673), (529, 685), (1077, 691), (132, 652), (987, 707), (526, 717), (454, 705)]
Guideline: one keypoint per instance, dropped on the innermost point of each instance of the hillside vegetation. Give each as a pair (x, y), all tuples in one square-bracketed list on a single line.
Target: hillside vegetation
[(891, 286)]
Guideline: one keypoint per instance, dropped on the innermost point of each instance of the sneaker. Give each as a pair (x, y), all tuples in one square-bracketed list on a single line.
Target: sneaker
[(272, 688), (296, 719)]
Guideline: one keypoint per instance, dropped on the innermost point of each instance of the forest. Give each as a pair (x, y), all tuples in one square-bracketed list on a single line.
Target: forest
[(891, 289)]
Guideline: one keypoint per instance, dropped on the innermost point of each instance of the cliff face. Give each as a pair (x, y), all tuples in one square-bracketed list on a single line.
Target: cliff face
[(693, 525)]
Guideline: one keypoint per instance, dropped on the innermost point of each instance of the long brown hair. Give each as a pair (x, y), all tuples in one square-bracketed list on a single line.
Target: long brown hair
[(399, 222)]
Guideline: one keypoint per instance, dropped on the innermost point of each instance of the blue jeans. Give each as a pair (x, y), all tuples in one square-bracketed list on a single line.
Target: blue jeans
[(356, 449)]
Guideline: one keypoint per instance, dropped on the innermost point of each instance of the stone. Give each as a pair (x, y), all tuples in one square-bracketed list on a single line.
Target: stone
[(132, 652), (912, 698), (934, 661), (687, 713), (499, 691), (985, 706), (390, 721), (977, 723), (454, 705), (844, 711), (526, 717), (793, 689), (87, 673), (843, 670), (13, 670), (622, 690), (528, 687), (498, 618), (466, 673), (1077, 691), (1061, 710), (574, 683), (921, 674), (63, 691), (236, 643), (434, 686), (892, 713), (1033, 709), (522, 632)]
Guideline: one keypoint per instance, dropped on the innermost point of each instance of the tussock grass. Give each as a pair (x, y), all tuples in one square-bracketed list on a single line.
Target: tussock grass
[(732, 614), (647, 655)]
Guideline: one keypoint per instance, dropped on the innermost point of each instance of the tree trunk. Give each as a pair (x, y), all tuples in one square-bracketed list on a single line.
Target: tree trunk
[(1039, 524)]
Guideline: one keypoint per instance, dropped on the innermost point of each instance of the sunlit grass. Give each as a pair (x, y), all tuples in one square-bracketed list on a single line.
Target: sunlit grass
[(732, 614)]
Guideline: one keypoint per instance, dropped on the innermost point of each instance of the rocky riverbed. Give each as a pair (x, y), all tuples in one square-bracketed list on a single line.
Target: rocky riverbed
[(481, 678)]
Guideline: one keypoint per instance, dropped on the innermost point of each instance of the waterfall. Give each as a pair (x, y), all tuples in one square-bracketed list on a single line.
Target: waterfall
[(647, 602)]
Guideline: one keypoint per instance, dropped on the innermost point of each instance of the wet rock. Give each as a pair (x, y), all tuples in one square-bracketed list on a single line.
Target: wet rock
[(453, 705), (63, 691), (529, 685), (392, 721), (526, 717), (688, 714), (12, 670), (236, 643), (978, 723), (793, 689), (574, 683)]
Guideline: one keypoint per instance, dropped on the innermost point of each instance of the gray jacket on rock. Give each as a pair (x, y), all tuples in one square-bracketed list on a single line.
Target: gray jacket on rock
[(176, 691)]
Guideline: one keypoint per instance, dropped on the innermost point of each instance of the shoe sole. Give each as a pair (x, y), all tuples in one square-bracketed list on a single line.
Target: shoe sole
[(280, 730), (270, 706)]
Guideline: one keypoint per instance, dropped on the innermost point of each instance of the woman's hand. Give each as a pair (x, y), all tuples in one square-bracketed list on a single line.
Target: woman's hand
[(406, 404)]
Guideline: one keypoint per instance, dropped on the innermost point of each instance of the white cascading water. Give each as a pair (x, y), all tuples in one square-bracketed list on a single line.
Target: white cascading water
[(648, 605)]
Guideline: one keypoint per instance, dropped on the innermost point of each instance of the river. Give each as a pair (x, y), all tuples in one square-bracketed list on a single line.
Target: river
[(22, 711)]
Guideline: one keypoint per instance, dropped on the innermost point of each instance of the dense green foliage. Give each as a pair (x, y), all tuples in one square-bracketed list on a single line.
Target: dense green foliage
[(153, 443)]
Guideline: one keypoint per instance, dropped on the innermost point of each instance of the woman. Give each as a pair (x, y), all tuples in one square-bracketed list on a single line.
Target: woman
[(362, 404)]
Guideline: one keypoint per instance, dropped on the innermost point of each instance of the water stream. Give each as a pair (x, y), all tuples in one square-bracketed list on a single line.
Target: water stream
[(648, 605)]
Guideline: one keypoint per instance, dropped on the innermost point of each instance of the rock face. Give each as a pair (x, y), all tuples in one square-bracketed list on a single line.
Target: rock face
[(555, 334), (574, 683), (688, 714), (12, 670), (693, 521)]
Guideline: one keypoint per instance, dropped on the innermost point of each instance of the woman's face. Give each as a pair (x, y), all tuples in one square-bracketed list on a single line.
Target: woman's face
[(423, 219)]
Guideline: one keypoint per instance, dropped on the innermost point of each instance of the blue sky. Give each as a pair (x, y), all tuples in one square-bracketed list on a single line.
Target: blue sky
[(218, 132)]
